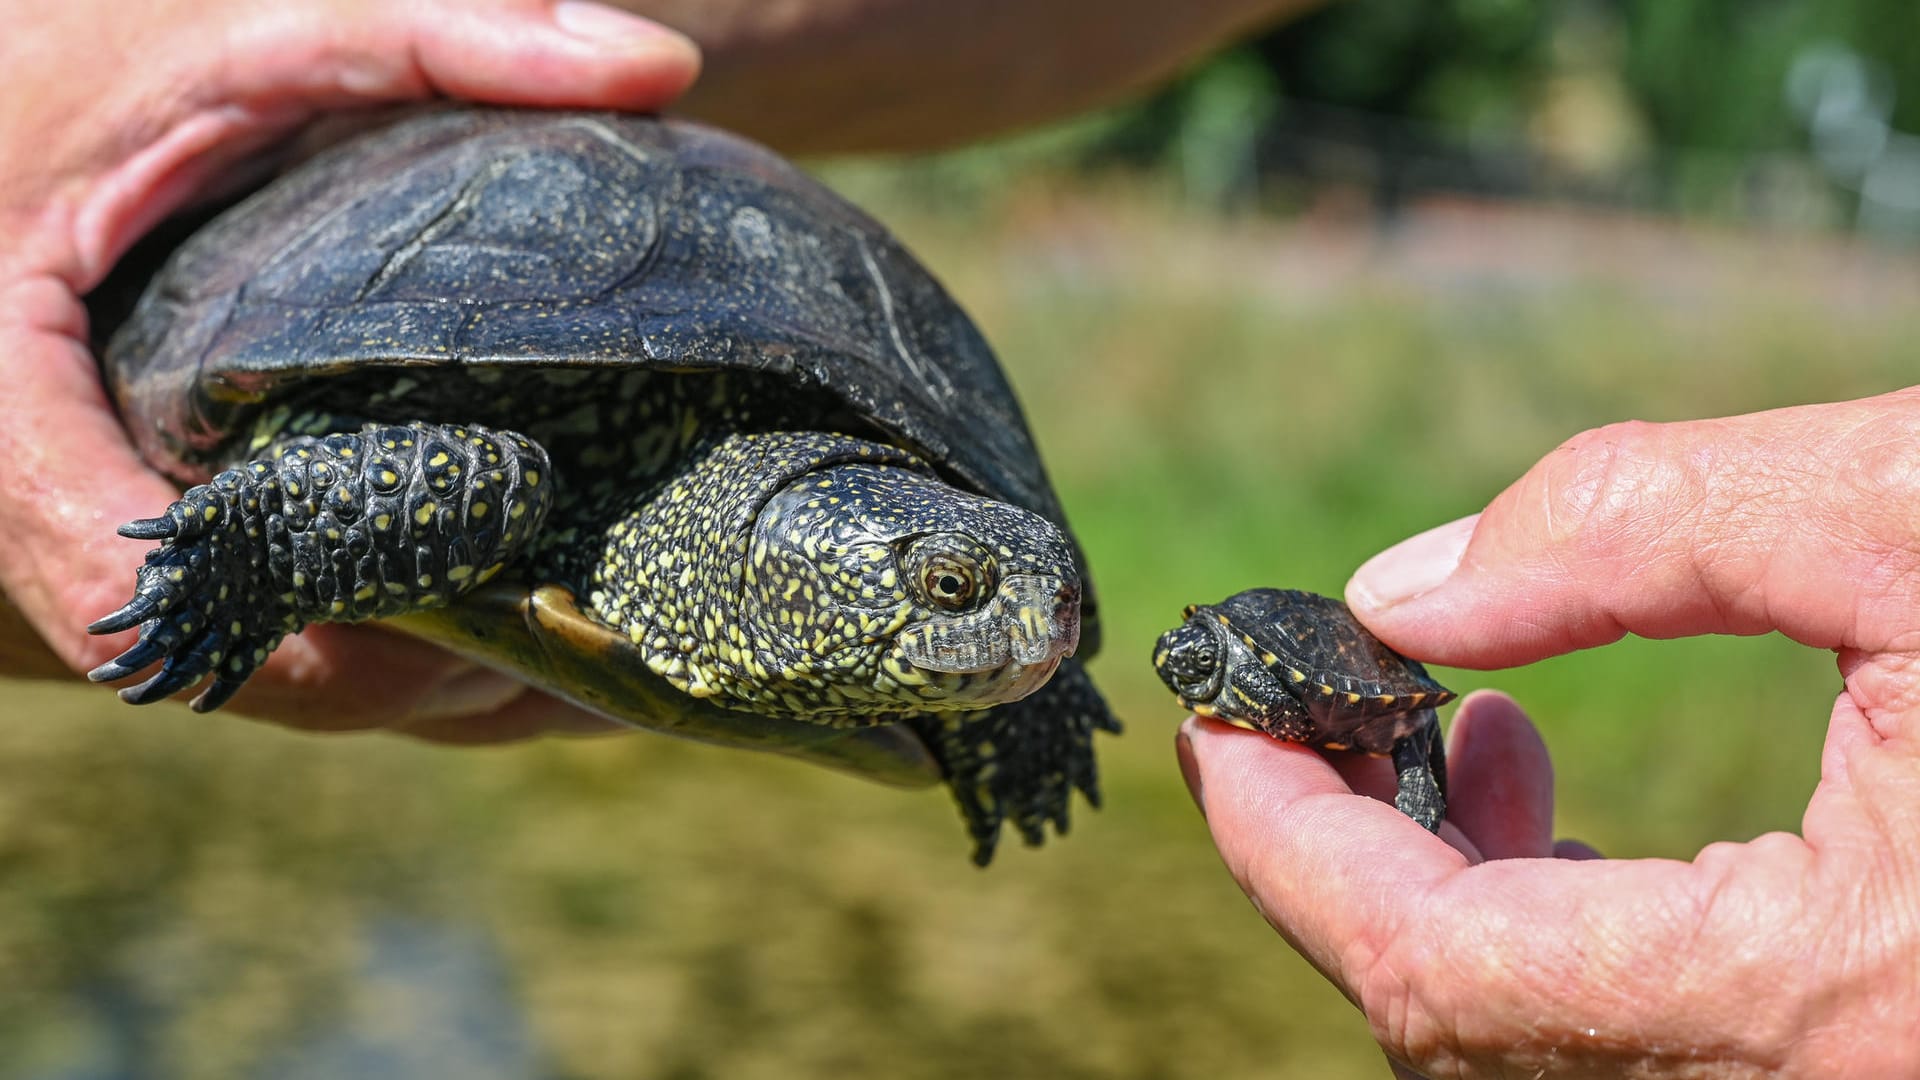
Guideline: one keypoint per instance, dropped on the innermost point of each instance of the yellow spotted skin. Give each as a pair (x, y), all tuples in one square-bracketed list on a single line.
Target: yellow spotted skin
[(1300, 667)]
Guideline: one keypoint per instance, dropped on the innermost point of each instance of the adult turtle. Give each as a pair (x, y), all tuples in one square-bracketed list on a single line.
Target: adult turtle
[(633, 409), (1300, 667)]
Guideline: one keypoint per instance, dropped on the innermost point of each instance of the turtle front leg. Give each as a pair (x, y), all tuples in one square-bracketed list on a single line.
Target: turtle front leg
[(1420, 763), (334, 528)]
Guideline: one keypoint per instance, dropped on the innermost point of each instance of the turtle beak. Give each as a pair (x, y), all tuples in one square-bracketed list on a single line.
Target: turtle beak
[(1033, 622)]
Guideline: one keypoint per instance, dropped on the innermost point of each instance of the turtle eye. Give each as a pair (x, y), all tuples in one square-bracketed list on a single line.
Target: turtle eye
[(949, 575), (949, 582)]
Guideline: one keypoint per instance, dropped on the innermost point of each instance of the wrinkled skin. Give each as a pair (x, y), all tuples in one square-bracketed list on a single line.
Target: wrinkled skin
[(1491, 950)]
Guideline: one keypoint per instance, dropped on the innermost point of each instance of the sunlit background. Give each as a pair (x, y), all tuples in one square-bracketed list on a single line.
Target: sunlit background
[(1336, 287)]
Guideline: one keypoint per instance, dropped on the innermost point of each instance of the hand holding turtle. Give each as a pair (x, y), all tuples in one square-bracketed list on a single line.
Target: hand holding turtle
[(83, 172), (1498, 952)]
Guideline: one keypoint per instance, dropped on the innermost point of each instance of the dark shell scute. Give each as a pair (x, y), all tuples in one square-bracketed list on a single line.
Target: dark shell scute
[(1320, 637)]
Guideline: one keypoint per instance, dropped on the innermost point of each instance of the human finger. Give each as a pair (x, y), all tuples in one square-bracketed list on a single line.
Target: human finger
[(1510, 966), (357, 678), (1795, 520), (206, 87), (1500, 779)]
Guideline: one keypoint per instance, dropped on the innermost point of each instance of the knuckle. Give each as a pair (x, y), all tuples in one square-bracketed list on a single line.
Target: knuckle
[(1603, 489)]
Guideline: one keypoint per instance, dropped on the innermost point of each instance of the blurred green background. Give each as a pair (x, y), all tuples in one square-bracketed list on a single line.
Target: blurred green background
[(1332, 289)]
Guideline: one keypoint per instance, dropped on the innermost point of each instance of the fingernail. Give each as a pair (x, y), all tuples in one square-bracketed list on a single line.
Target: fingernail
[(1189, 765), (1411, 567), (472, 692), (599, 23)]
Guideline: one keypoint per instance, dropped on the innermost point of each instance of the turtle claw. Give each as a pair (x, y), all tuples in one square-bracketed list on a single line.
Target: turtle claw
[(144, 652), (195, 601), (130, 614), (159, 528)]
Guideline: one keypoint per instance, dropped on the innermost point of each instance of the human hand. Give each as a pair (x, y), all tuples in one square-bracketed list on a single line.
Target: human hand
[(119, 115), (1492, 951)]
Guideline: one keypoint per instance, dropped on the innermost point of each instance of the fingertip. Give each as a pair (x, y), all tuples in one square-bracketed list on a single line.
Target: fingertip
[(1501, 778), (1189, 768), (576, 54), (1410, 569)]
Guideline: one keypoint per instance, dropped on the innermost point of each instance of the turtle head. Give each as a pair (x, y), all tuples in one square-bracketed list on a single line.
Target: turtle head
[(877, 588), (1192, 660)]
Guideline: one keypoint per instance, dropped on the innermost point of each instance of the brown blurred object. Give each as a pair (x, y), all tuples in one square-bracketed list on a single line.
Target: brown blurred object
[(834, 76), (23, 655)]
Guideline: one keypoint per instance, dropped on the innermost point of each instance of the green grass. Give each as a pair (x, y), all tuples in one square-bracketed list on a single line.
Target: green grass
[(1222, 404)]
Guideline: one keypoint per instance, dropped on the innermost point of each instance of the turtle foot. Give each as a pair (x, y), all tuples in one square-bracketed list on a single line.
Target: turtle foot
[(343, 527), (1420, 762), (1022, 762), (200, 600)]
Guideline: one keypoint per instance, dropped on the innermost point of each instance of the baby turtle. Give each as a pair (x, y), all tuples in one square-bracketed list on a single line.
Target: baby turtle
[(628, 407), (1300, 667)]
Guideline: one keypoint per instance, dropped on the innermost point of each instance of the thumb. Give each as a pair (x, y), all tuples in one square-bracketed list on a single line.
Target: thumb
[(1799, 520)]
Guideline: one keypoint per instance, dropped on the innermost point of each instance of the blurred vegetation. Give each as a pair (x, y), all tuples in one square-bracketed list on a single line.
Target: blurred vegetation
[(1774, 110), (1223, 402)]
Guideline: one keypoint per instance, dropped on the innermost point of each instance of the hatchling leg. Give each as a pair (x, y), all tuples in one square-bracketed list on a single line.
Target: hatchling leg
[(334, 528), (1420, 763)]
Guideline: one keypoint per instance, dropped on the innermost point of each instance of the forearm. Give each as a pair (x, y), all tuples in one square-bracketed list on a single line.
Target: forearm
[(821, 76)]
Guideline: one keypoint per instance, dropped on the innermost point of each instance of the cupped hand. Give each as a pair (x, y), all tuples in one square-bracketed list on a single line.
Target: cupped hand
[(1492, 951), (120, 114)]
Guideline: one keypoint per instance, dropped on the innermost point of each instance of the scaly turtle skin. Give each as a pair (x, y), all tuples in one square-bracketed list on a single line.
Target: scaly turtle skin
[(1299, 667), (633, 409)]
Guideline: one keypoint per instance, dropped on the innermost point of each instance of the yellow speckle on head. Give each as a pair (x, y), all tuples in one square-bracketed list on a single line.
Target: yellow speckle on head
[(437, 460), (382, 521), (336, 607), (364, 593), (299, 579), (478, 509), (459, 573), (212, 511), (532, 477), (425, 581), (425, 513)]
